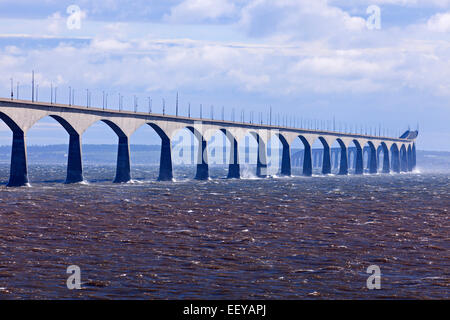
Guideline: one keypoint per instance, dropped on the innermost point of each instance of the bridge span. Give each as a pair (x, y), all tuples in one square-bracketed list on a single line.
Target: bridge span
[(399, 154)]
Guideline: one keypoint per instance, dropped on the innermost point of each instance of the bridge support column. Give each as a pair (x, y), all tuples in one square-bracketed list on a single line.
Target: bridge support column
[(202, 161), (359, 165), (74, 162), (165, 161), (343, 169), (234, 170), (326, 166), (373, 164), (19, 172), (307, 161), (410, 159), (123, 161), (286, 160), (386, 168), (414, 157), (367, 149), (395, 160), (261, 163), (403, 161)]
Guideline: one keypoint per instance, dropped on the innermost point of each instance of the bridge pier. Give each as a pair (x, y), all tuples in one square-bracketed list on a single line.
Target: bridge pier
[(19, 172), (234, 170), (410, 159), (123, 161), (202, 161), (74, 162), (343, 168), (414, 157), (307, 161), (373, 165), (261, 162), (395, 160), (386, 168), (165, 161), (359, 165), (286, 159), (403, 160), (326, 165)]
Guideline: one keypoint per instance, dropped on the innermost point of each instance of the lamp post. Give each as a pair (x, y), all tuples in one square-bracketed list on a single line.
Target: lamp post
[(32, 86), (270, 116), (176, 106)]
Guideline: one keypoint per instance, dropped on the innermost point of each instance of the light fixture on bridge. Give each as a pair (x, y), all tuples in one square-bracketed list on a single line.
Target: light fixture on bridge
[(32, 86)]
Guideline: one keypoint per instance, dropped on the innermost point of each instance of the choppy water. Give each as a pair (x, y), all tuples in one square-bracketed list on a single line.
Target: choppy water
[(275, 238)]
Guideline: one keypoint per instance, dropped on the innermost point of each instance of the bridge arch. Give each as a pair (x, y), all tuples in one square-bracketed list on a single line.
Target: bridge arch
[(10, 123), (357, 157), (341, 157), (370, 150), (410, 158), (123, 167), (202, 172), (74, 159), (403, 158), (276, 142), (165, 163), (234, 170), (395, 158), (326, 159), (261, 157), (222, 150), (18, 172), (383, 157), (307, 156)]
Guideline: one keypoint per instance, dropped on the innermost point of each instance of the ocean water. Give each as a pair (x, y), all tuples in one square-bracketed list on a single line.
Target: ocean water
[(274, 238)]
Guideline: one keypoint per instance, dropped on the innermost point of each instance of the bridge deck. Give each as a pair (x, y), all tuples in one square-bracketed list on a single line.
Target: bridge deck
[(188, 120)]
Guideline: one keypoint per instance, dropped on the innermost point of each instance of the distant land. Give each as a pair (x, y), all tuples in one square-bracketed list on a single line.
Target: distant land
[(149, 154)]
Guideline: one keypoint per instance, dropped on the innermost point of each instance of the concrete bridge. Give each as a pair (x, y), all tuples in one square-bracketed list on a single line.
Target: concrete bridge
[(399, 154)]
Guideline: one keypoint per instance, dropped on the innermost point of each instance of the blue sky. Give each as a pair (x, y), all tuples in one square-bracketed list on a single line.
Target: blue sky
[(308, 59)]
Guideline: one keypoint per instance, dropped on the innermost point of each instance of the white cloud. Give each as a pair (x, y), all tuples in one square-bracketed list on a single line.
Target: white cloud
[(200, 10), (439, 22), (299, 45), (168, 65), (55, 23), (108, 45), (295, 19), (402, 3)]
